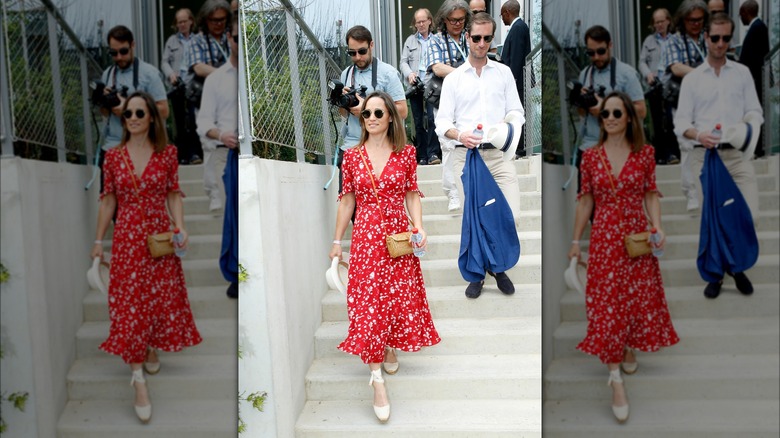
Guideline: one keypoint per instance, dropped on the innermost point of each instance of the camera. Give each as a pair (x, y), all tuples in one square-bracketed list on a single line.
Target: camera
[(344, 100), (584, 100), (657, 87), (177, 89), (106, 100), (416, 87)]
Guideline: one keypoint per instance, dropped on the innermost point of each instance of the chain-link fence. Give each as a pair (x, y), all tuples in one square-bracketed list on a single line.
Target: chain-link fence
[(47, 72), (533, 101), (559, 122), (771, 98), (288, 71)]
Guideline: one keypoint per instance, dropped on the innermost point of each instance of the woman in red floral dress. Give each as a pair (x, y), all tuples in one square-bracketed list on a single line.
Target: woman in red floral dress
[(625, 301), (386, 299), (147, 298)]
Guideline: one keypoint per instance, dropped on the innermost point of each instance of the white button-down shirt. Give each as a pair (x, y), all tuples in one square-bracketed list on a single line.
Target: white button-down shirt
[(707, 99), (468, 99), (219, 104)]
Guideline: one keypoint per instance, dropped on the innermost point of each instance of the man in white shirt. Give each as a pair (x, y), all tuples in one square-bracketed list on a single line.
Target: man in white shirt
[(720, 91), (483, 92)]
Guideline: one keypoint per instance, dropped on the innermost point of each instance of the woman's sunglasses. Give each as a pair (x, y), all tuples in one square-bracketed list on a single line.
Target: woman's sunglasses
[(477, 38), (353, 53), (139, 113), (123, 51), (716, 38), (378, 113), (600, 51), (616, 113)]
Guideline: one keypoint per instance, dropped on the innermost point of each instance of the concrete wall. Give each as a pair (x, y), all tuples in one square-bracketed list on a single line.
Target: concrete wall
[(46, 228), (557, 225), (286, 221)]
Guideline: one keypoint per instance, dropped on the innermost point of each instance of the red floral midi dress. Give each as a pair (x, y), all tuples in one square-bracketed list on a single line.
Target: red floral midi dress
[(386, 301), (625, 301), (147, 298)]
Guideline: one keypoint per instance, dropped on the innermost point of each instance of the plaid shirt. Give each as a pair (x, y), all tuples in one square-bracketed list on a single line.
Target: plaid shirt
[(685, 52), (437, 49), (199, 48)]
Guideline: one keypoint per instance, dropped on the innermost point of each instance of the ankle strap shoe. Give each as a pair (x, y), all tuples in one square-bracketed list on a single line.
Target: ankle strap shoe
[(144, 413), (391, 367), (382, 412), (620, 412)]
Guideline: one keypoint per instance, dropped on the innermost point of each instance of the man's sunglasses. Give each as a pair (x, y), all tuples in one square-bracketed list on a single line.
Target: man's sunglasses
[(139, 113), (378, 113), (477, 38), (123, 51), (616, 113), (600, 51), (716, 38), (361, 51)]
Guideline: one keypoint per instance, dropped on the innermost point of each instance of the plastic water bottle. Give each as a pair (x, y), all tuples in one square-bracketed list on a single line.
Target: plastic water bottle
[(717, 133), (478, 131), (178, 238), (655, 237), (416, 240)]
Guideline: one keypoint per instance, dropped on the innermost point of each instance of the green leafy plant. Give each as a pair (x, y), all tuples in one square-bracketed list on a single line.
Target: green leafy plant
[(257, 400), (19, 398), (242, 277), (4, 275)]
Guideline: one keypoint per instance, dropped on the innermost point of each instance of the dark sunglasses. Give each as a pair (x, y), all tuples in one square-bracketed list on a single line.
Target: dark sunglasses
[(477, 38), (139, 113), (600, 51), (716, 38), (378, 113), (123, 51), (361, 51), (616, 113)]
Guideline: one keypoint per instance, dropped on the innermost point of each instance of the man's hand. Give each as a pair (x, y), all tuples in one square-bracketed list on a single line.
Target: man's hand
[(412, 76), (355, 110), (470, 140), (650, 78), (173, 77), (229, 139), (594, 110), (708, 140), (117, 110)]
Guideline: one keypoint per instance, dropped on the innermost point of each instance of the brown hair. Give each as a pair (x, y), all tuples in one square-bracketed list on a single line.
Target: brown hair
[(428, 15), (157, 134), (482, 18), (396, 131), (634, 132), (719, 18), (359, 33), (189, 15)]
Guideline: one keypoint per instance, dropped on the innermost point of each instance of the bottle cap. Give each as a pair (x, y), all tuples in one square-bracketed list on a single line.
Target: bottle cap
[(175, 231), (414, 230), (717, 126), (479, 126), (653, 231)]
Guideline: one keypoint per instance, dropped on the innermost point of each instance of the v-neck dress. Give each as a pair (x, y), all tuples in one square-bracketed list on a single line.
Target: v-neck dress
[(147, 297), (624, 297), (386, 300)]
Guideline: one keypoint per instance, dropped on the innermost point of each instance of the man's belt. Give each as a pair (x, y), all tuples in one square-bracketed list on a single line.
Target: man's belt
[(720, 146), (221, 146), (480, 146)]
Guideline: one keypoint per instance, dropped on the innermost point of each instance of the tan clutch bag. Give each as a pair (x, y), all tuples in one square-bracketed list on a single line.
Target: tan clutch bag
[(398, 244), (637, 244), (160, 244)]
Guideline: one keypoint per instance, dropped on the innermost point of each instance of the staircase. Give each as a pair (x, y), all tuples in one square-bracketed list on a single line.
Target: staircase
[(483, 379), (720, 380), (194, 395)]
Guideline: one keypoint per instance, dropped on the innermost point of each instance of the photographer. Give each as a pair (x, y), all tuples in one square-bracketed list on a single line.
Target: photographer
[(412, 65), (127, 75), (370, 73), (172, 58), (604, 75)]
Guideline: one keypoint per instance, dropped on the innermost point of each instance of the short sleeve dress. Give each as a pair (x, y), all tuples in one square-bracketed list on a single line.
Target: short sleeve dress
[(625, 301), (386, 300), (147, 297)]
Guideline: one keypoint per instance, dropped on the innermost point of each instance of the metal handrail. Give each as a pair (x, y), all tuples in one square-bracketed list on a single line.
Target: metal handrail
[(309, 34), (55, 13)]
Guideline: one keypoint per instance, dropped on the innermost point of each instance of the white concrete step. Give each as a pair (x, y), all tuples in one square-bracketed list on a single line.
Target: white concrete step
[(685, 272), (433, 187), (197, 225), (450, 223), (678, 204), (669, 378), (170, 419), (676, 224), (672, 172), (451, 302), (200, 247), (459, 336), (698, 336), (219, 338), (438, 204), (689, 302), (180, 378), (191, 172), (426, 377), (433, 172), (445, 272), (460, 418), (206, 302), (679, 418), (766, 183)]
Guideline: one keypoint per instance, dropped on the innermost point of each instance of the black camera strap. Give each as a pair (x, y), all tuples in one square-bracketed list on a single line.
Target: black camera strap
[(612, 68), (112, 73), (351, 74), (460, 50)]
